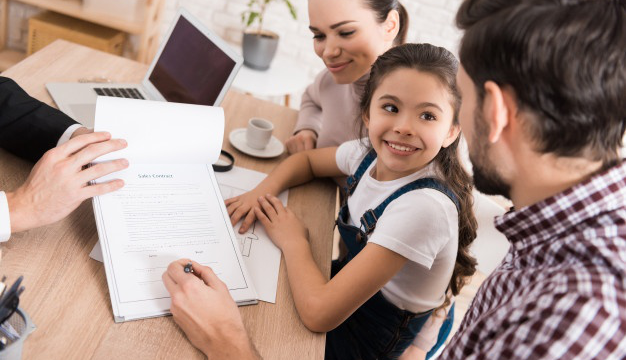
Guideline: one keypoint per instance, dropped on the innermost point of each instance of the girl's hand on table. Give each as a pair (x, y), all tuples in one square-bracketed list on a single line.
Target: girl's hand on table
[(281, 224), (242, 207)]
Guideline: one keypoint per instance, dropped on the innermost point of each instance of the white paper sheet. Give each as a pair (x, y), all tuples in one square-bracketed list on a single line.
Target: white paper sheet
[(261, 256), (163, 132), (165, 211)]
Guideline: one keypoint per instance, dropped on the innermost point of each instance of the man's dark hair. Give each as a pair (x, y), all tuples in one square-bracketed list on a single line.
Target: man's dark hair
[(566, 62)]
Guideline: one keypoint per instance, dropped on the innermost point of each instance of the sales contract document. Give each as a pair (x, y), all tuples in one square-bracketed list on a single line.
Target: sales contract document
[(170, 206)]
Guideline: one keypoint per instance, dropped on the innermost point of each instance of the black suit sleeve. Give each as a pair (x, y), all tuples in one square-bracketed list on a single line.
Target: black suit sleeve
[(28, 127)]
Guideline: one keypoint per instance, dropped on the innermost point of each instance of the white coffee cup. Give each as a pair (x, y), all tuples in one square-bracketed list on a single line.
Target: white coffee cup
[(259, 133)]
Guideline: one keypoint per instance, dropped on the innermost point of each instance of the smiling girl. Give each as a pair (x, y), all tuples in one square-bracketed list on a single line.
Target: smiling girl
[(408, 220)]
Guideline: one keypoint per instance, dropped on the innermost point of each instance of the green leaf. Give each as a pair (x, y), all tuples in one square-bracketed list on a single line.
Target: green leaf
[(292, 9), (253, 15)]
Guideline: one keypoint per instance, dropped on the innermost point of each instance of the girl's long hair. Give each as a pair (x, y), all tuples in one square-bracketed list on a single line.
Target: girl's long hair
[(441, 63)]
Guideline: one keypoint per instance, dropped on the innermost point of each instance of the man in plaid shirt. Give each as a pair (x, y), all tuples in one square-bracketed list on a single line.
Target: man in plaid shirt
[(544, 112)]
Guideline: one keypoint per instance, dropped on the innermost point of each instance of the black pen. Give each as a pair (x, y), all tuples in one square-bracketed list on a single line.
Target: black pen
[(13, 288), (10, 300), (3, 286), (9, 305), (12, 294)]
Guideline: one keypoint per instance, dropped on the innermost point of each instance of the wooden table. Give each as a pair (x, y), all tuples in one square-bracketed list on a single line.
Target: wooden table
[(66, 291)]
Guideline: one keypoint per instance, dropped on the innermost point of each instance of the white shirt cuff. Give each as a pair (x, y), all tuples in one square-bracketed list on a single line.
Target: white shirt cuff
[(68, 134), (5, 220)]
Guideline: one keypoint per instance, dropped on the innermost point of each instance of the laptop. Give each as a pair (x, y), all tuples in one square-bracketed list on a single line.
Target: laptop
[(192, 66)]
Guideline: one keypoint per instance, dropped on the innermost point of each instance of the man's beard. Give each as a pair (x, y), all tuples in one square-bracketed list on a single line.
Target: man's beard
[(486, 178)]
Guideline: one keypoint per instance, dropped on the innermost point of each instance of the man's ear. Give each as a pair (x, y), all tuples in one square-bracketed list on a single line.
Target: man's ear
[(497, 108), (392, 25), (452, 135)]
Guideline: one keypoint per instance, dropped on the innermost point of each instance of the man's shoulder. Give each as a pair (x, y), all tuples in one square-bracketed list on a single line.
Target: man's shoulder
[(593, 270), (560, 313)]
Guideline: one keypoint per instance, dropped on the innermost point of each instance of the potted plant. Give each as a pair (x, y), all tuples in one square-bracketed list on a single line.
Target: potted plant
[(259, 45)]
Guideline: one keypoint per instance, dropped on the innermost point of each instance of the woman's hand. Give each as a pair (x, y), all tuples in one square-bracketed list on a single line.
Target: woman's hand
[(242, 206), (281, 224), (303, 140), (203, 308)]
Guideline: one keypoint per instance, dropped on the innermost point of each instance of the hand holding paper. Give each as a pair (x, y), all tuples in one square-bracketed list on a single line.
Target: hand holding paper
[(171, 206), (59, 182)]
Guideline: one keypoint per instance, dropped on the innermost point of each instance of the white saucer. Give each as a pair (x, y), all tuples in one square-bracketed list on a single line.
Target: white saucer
[(274, 148)]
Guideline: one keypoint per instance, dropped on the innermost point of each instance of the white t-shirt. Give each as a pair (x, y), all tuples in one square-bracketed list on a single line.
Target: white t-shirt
[(421, 225)]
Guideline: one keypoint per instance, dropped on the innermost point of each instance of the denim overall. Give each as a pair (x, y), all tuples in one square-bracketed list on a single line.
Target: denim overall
[(378, 329)]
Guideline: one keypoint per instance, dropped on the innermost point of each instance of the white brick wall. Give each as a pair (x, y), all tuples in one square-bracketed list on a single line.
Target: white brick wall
[(430, 21)]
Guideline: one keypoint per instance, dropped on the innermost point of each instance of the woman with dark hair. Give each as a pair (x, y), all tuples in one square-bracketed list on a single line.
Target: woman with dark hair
[(348, 36)]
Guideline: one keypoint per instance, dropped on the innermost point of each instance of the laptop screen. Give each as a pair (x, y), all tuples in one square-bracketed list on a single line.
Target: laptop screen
[(191, 68)]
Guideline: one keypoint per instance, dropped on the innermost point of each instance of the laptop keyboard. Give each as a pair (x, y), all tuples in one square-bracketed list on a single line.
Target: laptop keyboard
[(119, 92)]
